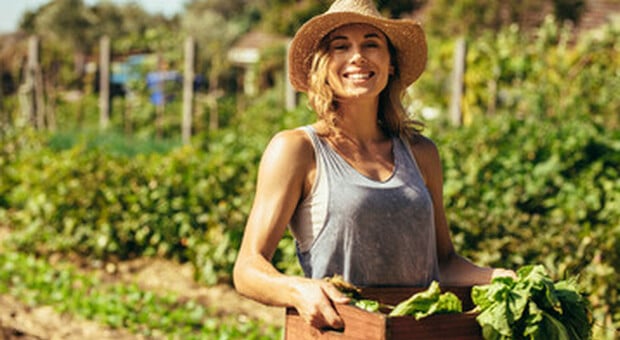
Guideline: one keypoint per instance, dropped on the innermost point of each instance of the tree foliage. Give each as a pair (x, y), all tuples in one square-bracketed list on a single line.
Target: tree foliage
[(472, 17), (286, 16), (214, 25)]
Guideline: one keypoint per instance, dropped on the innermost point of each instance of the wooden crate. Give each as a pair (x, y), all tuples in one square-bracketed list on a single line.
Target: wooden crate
[(363, 325)]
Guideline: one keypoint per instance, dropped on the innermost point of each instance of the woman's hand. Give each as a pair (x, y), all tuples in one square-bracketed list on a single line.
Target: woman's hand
[(314, 301)]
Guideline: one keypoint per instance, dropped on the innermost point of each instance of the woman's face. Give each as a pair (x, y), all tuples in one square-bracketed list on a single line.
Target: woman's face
[(358, 61)]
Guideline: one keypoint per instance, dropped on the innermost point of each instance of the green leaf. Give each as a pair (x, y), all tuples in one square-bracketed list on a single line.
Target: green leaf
[(368, 305), (428, 302)]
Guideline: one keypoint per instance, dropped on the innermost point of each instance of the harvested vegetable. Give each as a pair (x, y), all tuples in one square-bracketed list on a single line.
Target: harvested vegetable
[(368, 305), (354, 293), (344, 286), (419, 305), (428, 302), (532, 307)]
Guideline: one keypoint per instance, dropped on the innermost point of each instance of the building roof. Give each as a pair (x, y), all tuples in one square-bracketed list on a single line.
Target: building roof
[(247, 49)]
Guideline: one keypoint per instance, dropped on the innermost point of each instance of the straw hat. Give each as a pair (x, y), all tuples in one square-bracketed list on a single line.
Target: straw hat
[(405, 35)]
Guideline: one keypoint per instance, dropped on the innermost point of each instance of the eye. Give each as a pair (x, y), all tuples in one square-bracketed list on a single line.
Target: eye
[(372, 44), (339, 47)]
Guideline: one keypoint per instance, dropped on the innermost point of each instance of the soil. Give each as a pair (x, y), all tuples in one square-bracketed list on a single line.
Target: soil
[(20, 321)]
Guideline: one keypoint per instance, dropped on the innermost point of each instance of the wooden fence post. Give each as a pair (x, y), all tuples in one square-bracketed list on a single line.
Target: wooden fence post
[(5, 117), (458, 75), (290, 96), (188, 90), (31, 92), (38, 83), (104, 82)]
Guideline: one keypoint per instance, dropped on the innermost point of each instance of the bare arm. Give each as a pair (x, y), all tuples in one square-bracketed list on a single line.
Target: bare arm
[(454, 270), (283, 174)]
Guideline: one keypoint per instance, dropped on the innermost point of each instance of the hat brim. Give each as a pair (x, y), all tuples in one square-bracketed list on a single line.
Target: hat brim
[(405, 35)]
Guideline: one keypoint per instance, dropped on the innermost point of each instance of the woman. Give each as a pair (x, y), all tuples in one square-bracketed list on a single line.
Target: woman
[(361, 188)]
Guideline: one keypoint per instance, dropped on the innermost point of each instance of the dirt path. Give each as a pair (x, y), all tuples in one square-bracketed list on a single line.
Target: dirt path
[(19, 321), (166, 276)]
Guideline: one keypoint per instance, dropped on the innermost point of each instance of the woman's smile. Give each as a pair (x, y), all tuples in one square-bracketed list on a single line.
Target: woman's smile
[(358, 76)]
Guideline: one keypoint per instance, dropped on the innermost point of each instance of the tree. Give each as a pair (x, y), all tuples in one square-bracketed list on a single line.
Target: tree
[(286, 16), (397, 8), (67, 23), (214, 24), (472, 17), (570, 10)]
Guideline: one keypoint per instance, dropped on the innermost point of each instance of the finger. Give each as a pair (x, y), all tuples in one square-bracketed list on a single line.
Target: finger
[(335, 295), (332, 318), (324, 317)]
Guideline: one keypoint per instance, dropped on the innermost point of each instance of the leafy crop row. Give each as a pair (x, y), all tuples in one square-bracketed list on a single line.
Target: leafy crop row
[(96, 204), (36, 282), (189, 204)]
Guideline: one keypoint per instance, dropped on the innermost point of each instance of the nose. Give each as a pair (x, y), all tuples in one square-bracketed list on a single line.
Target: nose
[(358, 57)]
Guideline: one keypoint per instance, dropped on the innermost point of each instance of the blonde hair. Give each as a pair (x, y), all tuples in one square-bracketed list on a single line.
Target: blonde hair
[(392, 116)]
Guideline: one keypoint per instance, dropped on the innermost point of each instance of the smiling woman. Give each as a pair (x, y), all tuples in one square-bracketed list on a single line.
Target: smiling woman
[(360, 189)]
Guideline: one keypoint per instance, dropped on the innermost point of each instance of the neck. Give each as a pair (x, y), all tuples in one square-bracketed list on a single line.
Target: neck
[(358, 119)]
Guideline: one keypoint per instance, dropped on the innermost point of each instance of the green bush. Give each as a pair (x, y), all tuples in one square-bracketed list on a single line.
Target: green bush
[(104, 197), (101, 205), (546, 73), (525, 191)]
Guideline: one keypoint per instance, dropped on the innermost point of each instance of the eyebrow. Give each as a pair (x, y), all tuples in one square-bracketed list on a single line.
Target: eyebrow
[(338, 37), (371, 35)]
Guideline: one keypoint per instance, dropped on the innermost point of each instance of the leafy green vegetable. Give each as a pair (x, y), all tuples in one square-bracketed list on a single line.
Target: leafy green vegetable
[(428, 302), (368, 305), (532, 307)]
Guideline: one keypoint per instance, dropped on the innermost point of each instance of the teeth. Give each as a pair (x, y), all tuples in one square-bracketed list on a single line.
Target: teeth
[(359, 75)]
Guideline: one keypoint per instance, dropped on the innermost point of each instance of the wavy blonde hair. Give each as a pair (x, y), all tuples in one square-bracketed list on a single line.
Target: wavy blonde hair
[(392, 116)]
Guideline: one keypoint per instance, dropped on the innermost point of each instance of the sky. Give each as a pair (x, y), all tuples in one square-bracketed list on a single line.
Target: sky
[(11, 11)]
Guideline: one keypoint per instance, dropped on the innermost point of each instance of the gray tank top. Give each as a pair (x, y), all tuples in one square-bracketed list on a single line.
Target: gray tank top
[(373, 233)]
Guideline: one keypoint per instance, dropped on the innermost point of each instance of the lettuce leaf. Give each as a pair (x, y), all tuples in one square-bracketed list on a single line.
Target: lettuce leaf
[(428, 302)]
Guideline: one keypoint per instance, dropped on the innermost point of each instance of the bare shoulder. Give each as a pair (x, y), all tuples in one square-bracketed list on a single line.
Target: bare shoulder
[(291, 141), (292, 148), (424, 148), (427, 157), (292, 137)]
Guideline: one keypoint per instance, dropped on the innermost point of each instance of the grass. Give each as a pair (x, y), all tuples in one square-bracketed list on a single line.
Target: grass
[(111, 142)]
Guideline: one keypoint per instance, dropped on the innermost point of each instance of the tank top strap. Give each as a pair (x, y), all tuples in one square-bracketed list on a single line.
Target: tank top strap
[(331, 160)]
